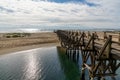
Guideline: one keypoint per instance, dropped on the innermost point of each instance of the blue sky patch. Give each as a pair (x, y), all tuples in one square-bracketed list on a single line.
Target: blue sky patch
[(74, 1), (64, 1), (5, 9)]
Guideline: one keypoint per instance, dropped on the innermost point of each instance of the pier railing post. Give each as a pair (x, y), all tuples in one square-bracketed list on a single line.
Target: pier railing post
[(109, 46), (105, 51), (93, 48), (119, 38), (89, 35), (83, 40), (105, 36)]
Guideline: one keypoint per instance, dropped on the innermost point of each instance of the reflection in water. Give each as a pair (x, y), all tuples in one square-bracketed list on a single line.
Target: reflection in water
[(34, 64), (40, 64), (70, 68), (32, 67)]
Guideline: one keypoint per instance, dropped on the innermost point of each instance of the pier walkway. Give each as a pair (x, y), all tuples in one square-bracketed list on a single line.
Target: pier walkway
[(100, 51)]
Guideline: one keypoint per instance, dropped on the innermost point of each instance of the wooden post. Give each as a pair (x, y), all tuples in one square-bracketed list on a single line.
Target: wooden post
[(83, 39), (105, 51), (96, 36), (105, 36), (93, 52), (93, 41), (109, 46), (119, 38), (83, 73), (89, 34)]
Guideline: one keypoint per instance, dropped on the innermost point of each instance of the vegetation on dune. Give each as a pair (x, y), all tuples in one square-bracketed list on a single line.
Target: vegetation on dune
[(16, 35)]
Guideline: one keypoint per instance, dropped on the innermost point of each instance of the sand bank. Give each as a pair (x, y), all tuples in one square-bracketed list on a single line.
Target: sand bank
[(35, 40), (21, 48)]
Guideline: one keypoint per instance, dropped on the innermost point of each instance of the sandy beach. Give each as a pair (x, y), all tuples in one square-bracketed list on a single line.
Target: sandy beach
[(35, 40)]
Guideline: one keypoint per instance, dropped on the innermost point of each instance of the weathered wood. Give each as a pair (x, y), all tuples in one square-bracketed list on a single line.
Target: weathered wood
[(103, 52), (105, 35), (119, 38)]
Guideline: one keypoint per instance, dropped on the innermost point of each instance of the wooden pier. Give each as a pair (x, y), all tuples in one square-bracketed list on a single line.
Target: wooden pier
[(101, 50)]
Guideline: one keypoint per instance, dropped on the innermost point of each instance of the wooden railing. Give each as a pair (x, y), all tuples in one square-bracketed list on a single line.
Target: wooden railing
[(102, 50)]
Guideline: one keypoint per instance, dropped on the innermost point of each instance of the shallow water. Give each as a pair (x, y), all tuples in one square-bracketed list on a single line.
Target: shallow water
[(40, 64), (35, 64)]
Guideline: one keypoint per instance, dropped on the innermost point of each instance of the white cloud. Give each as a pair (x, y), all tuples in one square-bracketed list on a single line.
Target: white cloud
[(25, 12)]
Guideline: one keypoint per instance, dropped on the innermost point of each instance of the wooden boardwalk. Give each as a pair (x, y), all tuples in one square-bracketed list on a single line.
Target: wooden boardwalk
[(102, 50)]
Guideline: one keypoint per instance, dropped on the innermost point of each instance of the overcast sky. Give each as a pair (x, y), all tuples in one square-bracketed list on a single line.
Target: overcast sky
[(95, 13)]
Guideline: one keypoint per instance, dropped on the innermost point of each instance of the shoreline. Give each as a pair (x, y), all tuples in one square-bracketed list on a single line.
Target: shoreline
[(14, 42), (27, 47)]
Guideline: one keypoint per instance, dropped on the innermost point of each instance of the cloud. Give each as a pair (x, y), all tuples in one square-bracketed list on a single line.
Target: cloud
[(6, 10), (97, 13)]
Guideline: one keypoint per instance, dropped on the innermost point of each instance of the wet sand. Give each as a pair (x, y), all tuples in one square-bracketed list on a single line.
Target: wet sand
[(22, 48)]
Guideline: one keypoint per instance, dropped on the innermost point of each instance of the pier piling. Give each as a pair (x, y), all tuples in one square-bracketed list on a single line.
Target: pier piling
[(102, 54)]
